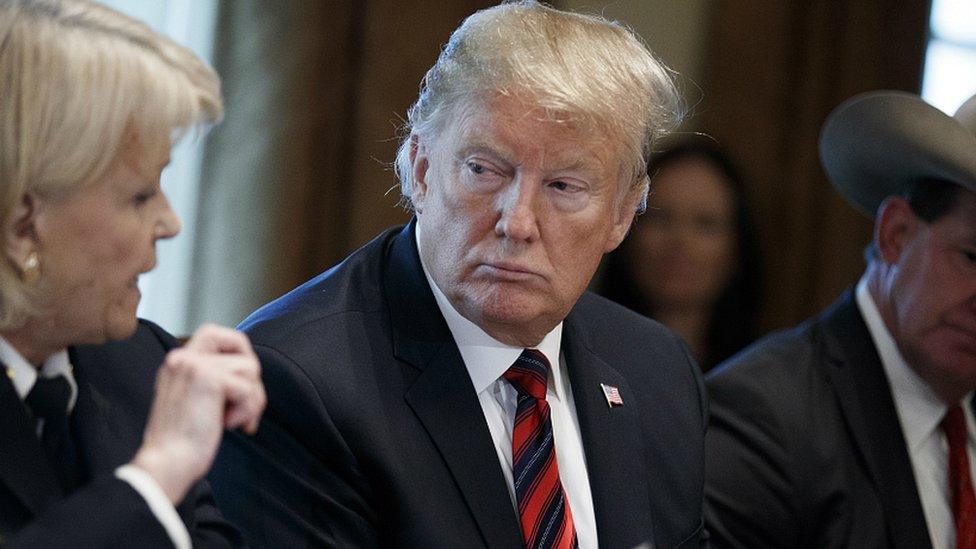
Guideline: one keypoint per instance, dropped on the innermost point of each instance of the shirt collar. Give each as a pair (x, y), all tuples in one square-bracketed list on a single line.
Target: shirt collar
[(919, 407), (23, 375), (486, 358)]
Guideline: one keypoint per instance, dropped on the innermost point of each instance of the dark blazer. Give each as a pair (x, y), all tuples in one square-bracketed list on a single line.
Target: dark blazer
[(374, 434), (805, 448), (115, 389)]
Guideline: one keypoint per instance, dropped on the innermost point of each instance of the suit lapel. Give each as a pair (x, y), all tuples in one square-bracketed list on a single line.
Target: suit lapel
[(611, 442), (856, 373), (443, 397), (445, 403), (23, 467)]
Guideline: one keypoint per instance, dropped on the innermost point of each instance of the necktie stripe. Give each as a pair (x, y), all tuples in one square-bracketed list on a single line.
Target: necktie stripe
[(563, 534), (550, 496), (529, 434), (545, 523), (539, 477), (534, 464), (525, 412), (962, 496), (544, 513), (534, 377), (544, 504)]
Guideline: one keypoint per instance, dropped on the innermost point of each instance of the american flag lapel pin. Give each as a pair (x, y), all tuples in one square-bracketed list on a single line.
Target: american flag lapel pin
[(612, 394)]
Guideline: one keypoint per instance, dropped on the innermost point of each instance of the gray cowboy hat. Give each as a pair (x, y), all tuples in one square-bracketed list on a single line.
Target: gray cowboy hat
[(877, 144)]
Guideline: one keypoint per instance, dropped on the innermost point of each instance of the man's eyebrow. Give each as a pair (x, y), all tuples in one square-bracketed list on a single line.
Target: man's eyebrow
[(482, 147)]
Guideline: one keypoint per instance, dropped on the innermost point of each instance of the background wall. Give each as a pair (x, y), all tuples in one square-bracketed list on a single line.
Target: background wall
[(775, 70), (676, 32)]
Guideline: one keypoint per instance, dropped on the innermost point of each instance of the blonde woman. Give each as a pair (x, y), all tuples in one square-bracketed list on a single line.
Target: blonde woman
[(105, 431)]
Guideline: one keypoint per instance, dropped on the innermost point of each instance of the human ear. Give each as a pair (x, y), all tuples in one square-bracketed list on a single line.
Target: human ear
[(623, 219), (894, 227), (19, 235), (419, 164)]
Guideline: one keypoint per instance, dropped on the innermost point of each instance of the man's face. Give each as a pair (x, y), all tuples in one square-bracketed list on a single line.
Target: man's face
[(514, 213), (932, 294)]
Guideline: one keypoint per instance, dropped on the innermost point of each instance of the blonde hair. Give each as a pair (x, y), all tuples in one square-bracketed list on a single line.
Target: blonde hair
[(78, 83), (576, 67)]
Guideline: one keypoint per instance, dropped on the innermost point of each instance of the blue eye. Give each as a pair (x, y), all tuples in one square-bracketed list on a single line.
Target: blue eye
[(476, 168)]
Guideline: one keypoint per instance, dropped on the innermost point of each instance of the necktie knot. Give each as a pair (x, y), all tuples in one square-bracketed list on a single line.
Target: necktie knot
[(48, 398), (529, 374)]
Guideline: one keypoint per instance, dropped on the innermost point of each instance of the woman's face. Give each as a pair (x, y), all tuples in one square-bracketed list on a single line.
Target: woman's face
[(683, 249), (94, 244)]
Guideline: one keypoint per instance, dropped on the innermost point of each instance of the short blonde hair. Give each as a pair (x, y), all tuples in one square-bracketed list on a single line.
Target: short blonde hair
[(78, 83), (577, 67)]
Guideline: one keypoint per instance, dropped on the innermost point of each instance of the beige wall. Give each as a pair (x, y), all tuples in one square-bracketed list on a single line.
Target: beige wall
[(675, 30)]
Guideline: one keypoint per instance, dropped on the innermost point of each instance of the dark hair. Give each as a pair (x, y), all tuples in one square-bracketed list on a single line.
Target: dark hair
[(735, 316), (929, 199)]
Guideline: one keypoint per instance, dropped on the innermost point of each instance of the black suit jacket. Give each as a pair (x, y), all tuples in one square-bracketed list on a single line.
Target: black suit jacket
[(115, 389), (805, 448), (374, 434)]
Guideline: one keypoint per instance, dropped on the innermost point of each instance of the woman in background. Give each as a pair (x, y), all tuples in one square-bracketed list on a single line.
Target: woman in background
[(690, 261), (96, 448)]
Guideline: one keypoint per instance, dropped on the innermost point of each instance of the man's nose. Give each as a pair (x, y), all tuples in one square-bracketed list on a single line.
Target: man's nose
[(518, 218)]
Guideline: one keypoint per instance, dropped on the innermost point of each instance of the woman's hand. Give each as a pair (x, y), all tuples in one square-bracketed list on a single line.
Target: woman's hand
[(211, 384)]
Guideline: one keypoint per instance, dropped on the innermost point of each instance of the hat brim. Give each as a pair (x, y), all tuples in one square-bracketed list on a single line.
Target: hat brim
[(878, 144)]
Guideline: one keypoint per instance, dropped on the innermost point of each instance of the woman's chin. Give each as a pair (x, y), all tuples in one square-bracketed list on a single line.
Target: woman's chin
[(121, 321), (121, 328)]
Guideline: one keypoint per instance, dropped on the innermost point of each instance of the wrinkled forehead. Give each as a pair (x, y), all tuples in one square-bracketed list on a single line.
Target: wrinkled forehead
[(518, 126)]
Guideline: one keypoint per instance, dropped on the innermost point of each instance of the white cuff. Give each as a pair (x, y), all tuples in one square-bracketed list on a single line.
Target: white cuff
[(158, 503)]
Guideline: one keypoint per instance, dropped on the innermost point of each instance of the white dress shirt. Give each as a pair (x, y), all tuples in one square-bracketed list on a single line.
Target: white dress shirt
[(920, 412), (486, 359), (23, 376)]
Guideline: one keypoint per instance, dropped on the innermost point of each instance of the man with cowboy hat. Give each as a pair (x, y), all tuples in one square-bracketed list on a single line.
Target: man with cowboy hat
[(856, 428)]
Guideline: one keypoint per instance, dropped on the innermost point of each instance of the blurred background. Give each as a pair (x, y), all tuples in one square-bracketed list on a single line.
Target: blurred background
[(298, 175)]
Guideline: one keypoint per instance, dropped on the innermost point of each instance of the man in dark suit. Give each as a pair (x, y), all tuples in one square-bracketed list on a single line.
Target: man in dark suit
[(855, 429), (115, 504), (451, 384)]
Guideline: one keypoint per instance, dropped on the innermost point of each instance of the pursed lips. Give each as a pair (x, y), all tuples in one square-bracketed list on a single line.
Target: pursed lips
[(509, 271)]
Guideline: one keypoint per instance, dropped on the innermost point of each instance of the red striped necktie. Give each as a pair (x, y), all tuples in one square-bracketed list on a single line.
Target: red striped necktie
[(543, 507), (960, 479)]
